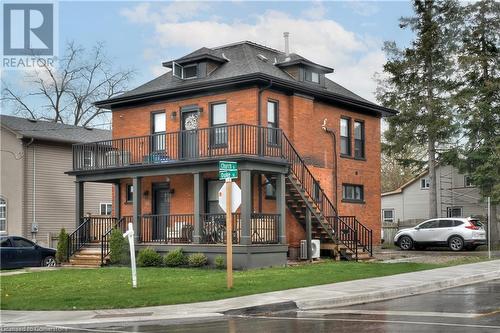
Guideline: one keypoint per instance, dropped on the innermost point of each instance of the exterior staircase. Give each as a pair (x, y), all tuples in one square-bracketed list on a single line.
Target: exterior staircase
[(344, 236), (87, 256)]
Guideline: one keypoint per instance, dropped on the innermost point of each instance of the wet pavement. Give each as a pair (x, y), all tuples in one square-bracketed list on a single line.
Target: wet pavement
[(473, 308)]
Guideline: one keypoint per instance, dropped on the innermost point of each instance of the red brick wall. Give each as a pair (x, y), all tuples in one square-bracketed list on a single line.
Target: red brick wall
[(301, 119)]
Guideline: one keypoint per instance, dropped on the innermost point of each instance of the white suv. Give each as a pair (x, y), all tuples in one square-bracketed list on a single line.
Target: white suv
[(456, 233)]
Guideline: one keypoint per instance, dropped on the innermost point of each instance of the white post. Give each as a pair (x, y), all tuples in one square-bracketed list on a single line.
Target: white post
[(130, 235), (489, 228)]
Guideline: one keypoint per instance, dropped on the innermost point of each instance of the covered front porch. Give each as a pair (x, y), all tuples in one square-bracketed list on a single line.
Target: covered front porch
[(170, 210)]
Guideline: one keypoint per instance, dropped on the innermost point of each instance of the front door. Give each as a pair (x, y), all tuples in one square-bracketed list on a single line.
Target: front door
[(189, 134), (161, 211)]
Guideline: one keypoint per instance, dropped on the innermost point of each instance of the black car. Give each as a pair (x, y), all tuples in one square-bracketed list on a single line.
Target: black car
[(18, 252)]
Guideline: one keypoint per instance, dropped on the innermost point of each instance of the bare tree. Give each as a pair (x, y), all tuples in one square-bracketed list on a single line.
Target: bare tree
[(398, 170), (65, 93)]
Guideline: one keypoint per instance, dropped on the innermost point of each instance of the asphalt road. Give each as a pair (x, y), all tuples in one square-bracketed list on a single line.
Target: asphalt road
[(470, 309)]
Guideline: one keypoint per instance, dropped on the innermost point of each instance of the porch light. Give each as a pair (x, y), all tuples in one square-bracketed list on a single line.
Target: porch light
[(173, 115)]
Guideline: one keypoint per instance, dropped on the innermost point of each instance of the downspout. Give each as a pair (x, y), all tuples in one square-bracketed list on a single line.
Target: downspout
[(334, 170), (33, 211), (259, 102)]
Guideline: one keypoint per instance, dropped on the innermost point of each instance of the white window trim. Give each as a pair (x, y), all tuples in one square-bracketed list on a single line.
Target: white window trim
[(449, 210), (4, 204), (427, 183), (465, 181), (388, 210), (105, 203), (182, 77)]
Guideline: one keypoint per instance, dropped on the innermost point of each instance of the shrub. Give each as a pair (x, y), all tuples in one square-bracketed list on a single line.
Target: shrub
[(149, 258), (117, 247), (175, 258), (197, 260), (220, 262), (62, 246)]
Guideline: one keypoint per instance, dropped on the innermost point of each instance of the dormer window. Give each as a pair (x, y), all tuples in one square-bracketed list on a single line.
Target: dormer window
[(185, 72), (311, 76)]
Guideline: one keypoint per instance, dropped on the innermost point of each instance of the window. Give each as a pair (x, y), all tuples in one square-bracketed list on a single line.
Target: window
[(272, 122), (468, 181), (159, 127), (270, 190), (130, 193), (21, 242), (184, 72), (352, 193), (453, 211), (359, 139), (213, 188), (311, 76), (88, 159), (429, 225), (3, 214), (345, 136), (424, 183), (190, 72), (218, 116), (105, 209), (388, 215), (5, 242), (446, 223)]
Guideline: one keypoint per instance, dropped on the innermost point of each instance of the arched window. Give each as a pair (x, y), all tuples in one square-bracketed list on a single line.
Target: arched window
[(3, 214)]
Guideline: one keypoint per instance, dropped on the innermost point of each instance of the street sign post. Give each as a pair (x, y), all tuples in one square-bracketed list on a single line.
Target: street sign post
[(229, 171)]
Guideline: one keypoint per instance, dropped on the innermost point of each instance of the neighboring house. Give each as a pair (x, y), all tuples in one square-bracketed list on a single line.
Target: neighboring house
[(37, 198), (456, 197), (264, 109)]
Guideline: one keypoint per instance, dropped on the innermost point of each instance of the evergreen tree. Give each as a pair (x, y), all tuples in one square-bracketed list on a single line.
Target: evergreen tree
[(417, 81), (478, 99)]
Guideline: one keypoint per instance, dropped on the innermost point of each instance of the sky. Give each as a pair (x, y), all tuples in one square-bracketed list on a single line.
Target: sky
[(345, 35)]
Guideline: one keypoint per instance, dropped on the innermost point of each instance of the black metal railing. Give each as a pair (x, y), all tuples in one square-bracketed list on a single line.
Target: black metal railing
[(163, 148), (214, 228), (91, 228), (265, 228), (175, 228), (351, 233), (121, 225)]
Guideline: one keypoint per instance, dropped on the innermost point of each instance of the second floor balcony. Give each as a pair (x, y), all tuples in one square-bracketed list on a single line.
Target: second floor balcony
[(212, 143)]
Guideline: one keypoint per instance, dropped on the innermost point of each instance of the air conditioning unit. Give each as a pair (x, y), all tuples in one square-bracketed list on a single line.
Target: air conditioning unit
[(315, 247)]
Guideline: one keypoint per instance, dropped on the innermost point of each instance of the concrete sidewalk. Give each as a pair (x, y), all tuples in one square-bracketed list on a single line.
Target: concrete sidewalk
[(329, 295)]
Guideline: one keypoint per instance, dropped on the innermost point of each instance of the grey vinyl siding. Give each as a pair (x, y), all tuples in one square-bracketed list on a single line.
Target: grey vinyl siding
[(411, 206), (55, 191), (11, 181)]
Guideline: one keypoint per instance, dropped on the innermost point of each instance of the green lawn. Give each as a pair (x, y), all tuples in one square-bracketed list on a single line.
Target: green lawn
[(111, 287)]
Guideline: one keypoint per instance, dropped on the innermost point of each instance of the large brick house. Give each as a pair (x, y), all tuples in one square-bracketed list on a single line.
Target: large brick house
[(308, 152)]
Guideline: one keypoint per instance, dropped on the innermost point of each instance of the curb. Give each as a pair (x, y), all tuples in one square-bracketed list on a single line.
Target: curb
[(383, 295), (262, 309)]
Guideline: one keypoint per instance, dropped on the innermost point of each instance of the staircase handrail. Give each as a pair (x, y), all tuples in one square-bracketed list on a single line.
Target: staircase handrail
[(105, 248)]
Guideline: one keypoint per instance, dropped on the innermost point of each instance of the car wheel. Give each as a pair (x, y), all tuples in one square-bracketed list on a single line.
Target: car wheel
[(405, 243), (456, 243), (49, 261)]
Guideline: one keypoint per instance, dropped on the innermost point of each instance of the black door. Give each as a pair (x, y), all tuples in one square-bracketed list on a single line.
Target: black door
[(161, 211), (189, 134)]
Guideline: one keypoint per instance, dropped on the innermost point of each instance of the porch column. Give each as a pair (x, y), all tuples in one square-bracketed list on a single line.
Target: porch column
[(136, 206), (198, 192), (281, 207), (79, 196), (116, 202), (246, 207), (309, 234)]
